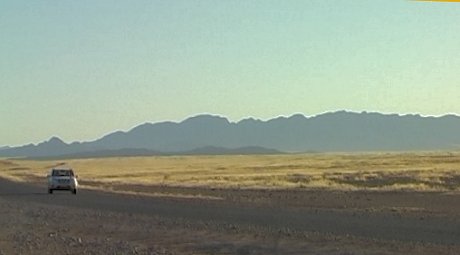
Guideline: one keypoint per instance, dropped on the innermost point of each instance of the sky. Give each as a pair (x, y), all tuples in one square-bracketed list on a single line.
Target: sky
[(82, 69)]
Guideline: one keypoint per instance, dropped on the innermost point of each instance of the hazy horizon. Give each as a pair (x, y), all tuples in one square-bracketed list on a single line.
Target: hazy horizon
[(226, 117), (82, 69)]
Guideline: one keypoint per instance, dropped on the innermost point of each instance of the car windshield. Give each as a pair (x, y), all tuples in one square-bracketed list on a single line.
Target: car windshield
[(59, 172)]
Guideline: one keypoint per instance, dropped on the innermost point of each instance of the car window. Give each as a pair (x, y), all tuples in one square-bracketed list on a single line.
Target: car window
[(62, 173)]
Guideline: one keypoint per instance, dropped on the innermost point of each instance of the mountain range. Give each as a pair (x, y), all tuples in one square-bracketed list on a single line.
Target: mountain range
[(340, 131)]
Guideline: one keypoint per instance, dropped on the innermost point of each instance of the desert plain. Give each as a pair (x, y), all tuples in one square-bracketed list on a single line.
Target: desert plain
[(318, 203)]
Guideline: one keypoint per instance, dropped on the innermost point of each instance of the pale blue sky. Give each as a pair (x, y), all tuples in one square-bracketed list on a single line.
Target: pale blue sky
[(81, 69)]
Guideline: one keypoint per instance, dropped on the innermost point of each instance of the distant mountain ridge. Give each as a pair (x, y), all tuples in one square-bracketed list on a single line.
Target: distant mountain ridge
[(210, 150), (340, 131)]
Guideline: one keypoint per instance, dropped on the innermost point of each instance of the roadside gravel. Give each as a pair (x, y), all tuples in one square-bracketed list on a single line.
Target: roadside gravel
[(30, 228)]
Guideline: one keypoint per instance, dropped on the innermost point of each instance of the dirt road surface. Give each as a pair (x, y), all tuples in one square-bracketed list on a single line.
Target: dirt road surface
[(210, 221)]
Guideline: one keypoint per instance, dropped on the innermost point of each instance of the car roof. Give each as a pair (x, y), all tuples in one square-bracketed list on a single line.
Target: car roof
[(62, 169)]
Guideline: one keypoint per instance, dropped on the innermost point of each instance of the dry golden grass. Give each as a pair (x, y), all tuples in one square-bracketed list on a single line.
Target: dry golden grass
[(379, 171)]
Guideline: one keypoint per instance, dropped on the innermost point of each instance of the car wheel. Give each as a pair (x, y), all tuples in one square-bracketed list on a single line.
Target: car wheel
[(74, 191), (50, 191)]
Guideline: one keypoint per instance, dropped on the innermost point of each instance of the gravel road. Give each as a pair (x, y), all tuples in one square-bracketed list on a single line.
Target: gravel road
[(96, 222)]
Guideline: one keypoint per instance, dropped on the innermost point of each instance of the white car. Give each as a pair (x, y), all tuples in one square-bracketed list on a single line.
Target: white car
[(62, 179)]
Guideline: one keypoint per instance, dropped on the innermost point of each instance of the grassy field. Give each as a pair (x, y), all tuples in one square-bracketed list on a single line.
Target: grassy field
[(437, 171)]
